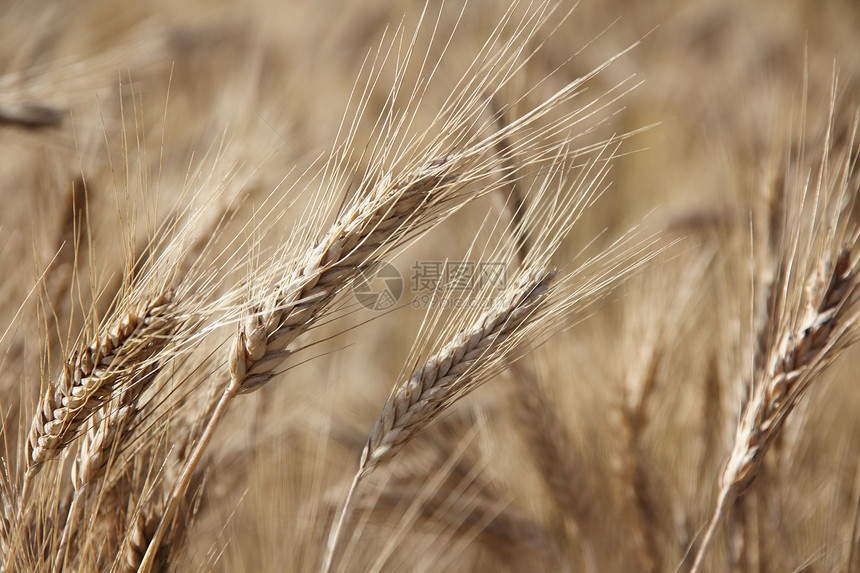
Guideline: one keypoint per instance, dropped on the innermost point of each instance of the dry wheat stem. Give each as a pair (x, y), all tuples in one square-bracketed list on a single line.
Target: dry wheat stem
[(181, 485), (445, 377), (800, 355)]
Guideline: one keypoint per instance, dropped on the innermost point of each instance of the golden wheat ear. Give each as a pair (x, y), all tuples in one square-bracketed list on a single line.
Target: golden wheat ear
[(536, 304), (356, 241), (116, 362), (454, 371)]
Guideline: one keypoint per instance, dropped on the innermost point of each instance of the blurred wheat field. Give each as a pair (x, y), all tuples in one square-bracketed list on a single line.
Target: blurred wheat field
[(623, 242)]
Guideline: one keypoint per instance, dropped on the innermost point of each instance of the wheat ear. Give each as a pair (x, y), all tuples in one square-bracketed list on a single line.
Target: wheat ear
[(353, 244), (137, 540), (552, 450), (91, 376), (801, 355), (443, 379)]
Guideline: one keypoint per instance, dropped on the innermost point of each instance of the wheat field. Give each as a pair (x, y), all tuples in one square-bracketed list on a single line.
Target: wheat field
[(391, 286)]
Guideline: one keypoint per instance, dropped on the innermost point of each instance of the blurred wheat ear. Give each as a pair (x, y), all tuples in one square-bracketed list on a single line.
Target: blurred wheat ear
[(813, 315)]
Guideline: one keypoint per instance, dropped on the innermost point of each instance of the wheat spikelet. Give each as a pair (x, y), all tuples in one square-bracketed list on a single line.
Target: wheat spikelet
[(137, 540), (93, 451), (531, 308), (829, 308), (101, 436), (106, 431), (140, 533), (640, 503), (825, 328), (414, 182), (551, 447)]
